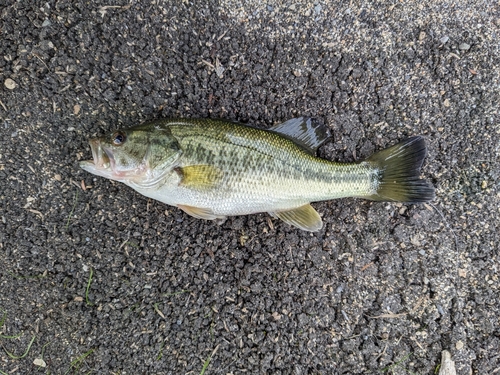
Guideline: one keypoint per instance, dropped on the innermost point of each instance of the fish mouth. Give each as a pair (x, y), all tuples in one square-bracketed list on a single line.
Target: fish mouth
[(100, 156), (102, 160)]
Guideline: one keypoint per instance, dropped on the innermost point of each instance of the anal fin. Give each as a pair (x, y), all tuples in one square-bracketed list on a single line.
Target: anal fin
[(303, 217), (200, 213)]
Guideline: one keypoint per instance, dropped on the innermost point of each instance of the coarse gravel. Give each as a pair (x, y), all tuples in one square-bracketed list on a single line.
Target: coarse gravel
[(97, 279)]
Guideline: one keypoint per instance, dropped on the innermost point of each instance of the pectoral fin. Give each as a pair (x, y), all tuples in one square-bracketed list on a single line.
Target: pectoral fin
[(304, 217), (200, 176), (199, 213)]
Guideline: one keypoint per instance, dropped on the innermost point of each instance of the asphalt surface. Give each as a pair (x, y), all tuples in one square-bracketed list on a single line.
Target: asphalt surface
[(96, 279)]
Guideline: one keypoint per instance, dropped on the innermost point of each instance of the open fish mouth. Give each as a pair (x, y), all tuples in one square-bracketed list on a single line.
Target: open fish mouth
[(101, 158), (104, 164), (102, 161)]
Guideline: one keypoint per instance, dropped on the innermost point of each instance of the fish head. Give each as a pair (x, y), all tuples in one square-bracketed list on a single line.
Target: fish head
[(139, 155)]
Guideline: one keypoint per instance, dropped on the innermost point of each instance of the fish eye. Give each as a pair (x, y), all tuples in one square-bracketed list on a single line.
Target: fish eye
[(118, 138)]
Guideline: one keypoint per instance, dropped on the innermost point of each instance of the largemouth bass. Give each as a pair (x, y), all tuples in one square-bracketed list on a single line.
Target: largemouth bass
[(213, 168)]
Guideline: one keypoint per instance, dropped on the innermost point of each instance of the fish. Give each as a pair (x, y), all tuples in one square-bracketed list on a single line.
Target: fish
[(212, 169)]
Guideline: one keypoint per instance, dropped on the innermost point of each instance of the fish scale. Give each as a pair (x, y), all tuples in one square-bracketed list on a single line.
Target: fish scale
[(270, 164)]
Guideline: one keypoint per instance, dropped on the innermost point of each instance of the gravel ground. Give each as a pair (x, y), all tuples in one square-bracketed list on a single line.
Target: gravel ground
[(96, 279)]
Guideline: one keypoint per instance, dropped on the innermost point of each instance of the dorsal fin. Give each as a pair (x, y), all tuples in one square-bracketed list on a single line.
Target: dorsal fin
[(304, 131)]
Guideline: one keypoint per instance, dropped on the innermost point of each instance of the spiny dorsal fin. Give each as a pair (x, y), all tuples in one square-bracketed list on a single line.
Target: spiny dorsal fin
[(304, 131), (200, 176), (199, 213), (304, 217)]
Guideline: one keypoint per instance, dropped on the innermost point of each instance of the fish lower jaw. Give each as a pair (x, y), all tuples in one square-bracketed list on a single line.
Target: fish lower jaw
[(102, 171), (103, 165)]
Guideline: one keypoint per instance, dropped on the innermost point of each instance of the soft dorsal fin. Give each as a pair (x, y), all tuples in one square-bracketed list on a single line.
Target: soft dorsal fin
[(304, 131), (304, 217)]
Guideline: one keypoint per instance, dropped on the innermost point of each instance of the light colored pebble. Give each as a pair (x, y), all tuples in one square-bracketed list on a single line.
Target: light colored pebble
[(447, 364), (39, 362), (10, 84), (444, 39)]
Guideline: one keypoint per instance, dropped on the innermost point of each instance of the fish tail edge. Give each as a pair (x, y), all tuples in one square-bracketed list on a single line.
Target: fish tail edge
[(398, 173)]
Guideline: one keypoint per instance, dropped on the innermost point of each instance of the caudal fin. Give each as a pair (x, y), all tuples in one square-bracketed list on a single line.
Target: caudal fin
[(399, 172)]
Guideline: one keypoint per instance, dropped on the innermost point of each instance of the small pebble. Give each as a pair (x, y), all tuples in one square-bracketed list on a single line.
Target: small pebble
[(10, 84), (464, 46), (444, 39), (440, 310), (459, 345), (39, 362), (447, 364)]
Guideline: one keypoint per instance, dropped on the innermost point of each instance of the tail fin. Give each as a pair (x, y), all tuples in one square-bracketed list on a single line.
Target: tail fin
[(398, 172)]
